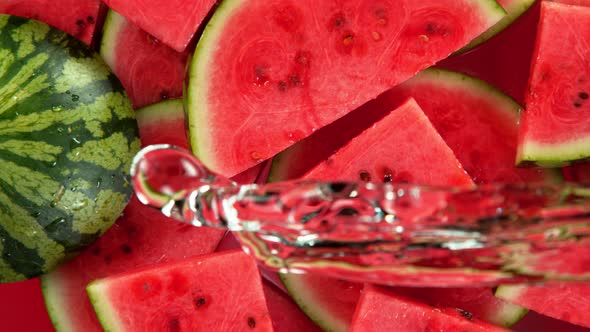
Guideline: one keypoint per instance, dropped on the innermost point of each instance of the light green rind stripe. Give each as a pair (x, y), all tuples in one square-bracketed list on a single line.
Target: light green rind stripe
[(112, 26), (93, 115), (28, 35), (109, 153), (18, 89), (6, 60), (37, 150), (7, 272), (107, 204), (98, 292), (554, 154), (79, 72), (39, 188), (18, 223)]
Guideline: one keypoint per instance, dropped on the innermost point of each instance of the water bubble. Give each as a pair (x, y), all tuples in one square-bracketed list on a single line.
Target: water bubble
[(80, 204), (75, 97), (58, 108)]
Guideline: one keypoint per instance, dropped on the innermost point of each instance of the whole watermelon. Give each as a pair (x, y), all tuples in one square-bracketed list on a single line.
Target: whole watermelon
[(67, 137)]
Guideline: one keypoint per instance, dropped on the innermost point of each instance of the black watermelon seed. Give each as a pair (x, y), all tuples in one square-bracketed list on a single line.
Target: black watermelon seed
[(577, 104), (583, 95), (126, 249), (365, 176), (251, 322), (200, 301), (174, 325), (465, 313)]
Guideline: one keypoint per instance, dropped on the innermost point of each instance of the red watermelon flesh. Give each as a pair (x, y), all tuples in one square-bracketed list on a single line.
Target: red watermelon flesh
[(380, 310), (254, 90), (164, 123), (172, 22), (567, 302), (555, 126), (478, 122), (217, 292), (331, 302), (149, 70), (79, 18), (377, 155)]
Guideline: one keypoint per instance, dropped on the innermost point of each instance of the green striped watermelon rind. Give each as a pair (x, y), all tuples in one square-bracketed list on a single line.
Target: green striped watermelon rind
[(67, 138), (514, 9)]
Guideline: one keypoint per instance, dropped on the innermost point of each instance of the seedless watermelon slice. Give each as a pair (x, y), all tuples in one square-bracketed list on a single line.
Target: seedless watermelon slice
[(76, 17), (218, 292), (555, 126), (149, 70), (268, 73), (173, 22)]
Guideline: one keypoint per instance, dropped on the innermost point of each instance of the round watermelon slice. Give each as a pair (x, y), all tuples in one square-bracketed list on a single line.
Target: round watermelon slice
[(268, 73), (149, 70)]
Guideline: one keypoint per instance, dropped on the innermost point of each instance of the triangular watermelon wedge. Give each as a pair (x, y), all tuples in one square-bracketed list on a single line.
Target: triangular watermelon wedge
[(268, 73)]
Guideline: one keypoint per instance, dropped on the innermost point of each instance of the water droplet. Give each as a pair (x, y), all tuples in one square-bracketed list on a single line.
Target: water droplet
[(79, 204), (60, 130), (57, 108), (387, 175), (75, 97), (68, 92), (76, 140), (35, 214), (376, 35)]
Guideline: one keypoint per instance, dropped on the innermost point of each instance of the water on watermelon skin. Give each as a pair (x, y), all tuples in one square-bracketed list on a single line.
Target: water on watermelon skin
[(78, 18), (149, 70), (556, 120), (217, 292), (172, 22), (380, 310)]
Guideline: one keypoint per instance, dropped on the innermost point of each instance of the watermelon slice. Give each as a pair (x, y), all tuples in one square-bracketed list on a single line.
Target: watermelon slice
[(568, 302), (478, 122), (376, 155), (218, 292), (556, 123), (267, 74), (424, 158), (173, 22), (514, 9), (149, 70), (380, 310), (76, 17)]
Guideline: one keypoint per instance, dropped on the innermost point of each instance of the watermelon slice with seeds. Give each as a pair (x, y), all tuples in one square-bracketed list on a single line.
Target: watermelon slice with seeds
[(267, 74), (217, 292), (380, 310), (556, 121), (78, 18), (149, 70), (172, 22)]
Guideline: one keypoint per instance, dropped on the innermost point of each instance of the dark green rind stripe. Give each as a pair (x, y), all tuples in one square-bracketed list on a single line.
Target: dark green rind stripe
[(19, 258), (66, 122)]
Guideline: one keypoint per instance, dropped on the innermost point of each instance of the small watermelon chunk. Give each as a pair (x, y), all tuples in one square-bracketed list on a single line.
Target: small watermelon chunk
[(266, 74), (173, 22), (555, 126), (217, 292), (76, 17), (567, 302), (378, 156), (149, 70), (380, 310)]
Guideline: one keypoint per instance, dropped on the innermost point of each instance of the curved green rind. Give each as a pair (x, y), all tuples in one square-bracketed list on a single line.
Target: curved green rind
[(112, 26), (67, 137), (514, 9), (553, 155), (165, 110), (51, 287), (510, 313), (313, 309), (107, 316)]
